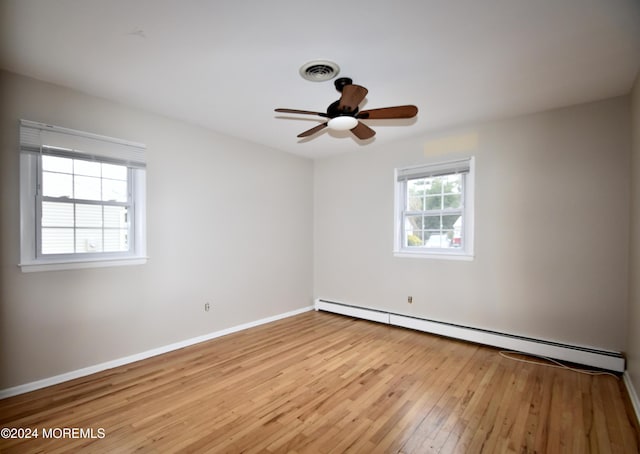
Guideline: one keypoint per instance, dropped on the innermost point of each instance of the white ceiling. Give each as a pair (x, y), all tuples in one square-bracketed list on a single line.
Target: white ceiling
[(226, 64)]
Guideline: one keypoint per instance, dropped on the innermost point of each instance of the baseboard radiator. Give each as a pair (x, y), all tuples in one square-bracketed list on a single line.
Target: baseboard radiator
[(602, 359)]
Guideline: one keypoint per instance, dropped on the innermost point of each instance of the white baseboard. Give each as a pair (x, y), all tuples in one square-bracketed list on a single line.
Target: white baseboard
[(32, 386), (633, 395), (353, 311), (589, 356)]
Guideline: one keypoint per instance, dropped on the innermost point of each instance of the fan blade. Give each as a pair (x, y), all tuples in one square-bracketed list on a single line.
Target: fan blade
[(305, 112), (352, 96), (389, 112), (363, 132), (312, 131)]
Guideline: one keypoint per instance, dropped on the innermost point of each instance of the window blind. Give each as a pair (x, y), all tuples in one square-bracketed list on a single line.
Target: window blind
[(42, 138), (434, 170)]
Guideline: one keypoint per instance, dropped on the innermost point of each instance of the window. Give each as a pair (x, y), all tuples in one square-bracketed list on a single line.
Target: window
[(82, 199), (434, 210)]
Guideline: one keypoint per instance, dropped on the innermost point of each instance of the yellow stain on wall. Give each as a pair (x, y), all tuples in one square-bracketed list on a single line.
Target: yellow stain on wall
[(452, 144)]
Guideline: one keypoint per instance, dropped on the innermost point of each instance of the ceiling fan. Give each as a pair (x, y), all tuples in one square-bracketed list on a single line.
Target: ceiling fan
[(343, 114)]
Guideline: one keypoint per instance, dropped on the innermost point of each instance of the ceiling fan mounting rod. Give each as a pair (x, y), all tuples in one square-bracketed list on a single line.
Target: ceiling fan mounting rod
[(341, 82)]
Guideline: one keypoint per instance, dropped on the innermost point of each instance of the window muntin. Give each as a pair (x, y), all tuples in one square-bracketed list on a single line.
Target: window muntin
[(434, 209)]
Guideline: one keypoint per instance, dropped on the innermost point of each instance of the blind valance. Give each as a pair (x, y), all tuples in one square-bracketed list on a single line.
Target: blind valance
[(434, 170), (43, 138)]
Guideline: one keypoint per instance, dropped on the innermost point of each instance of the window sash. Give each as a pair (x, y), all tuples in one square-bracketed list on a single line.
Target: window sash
[(406, 213), (40, 198), (75, 228)]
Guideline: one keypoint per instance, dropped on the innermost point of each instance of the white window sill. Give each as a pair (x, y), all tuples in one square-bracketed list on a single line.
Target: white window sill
[(80, 264), (434, 255)]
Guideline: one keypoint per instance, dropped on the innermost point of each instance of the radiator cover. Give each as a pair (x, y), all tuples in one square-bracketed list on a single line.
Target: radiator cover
[(602, 359)]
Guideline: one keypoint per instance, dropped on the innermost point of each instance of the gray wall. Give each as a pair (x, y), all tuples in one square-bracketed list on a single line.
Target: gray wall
[(633, 345), (229, 222), (234, 223), (551, 228)]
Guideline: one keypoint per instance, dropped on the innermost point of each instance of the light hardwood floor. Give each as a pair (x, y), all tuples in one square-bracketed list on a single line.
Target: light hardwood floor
[(324, 383)]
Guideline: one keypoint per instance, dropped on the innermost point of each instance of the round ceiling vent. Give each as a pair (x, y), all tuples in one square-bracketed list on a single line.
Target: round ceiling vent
[(319, 70)]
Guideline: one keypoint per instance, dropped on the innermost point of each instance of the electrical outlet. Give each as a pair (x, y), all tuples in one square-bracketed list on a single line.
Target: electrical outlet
[(409, 299), (207, 306)]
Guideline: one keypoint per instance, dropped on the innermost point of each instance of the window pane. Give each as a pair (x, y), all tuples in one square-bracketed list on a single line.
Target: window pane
[(413, 223), (115, 217), (57, 185), (432, 222), (452, 201), (418, 187), (414, 234), (116, 240), (57, 241), (438, 241), (89, 168), (449, 221), (88, 240), (57, 214), (57, 164), (452, 183), (415, 203), (433, 202), (415, 239), (88, 215), (87, 188), (114, 190), (114, 172)]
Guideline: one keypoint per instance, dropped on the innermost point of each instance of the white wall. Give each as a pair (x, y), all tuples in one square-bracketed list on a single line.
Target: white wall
[(633, 344), (229, 222), (551, 228)]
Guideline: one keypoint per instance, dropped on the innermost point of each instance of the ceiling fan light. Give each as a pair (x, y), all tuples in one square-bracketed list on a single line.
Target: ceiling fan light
[(342, 123)]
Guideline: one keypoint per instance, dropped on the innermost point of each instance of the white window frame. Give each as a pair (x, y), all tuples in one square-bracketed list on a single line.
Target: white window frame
[(466, 166), (37, 139)]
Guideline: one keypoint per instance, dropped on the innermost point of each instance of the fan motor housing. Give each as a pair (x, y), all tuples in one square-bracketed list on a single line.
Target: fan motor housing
[(334, 111)]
